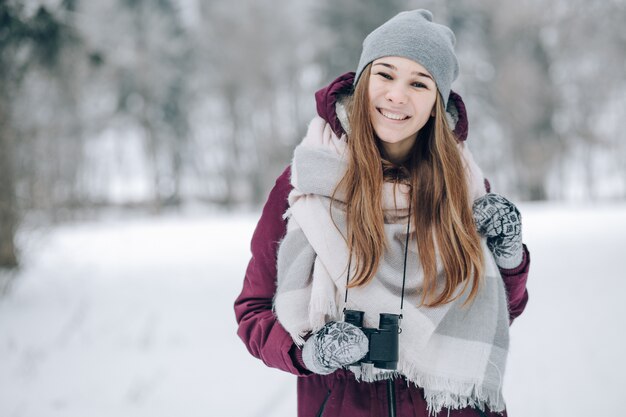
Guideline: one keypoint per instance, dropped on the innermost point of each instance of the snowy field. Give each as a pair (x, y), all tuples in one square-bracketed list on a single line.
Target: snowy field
[(134, 318)]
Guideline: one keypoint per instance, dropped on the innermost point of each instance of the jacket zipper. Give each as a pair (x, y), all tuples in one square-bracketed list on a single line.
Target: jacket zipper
[(321, 410)]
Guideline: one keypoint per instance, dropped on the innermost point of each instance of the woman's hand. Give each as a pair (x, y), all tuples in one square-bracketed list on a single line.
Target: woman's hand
[(335, 345), (500, 222)]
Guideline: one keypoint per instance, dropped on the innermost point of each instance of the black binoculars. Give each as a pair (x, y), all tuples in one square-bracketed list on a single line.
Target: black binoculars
[(383, 342)]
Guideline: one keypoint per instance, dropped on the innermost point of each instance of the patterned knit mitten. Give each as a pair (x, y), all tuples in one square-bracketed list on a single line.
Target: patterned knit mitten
[(500, 222), (335, 345)]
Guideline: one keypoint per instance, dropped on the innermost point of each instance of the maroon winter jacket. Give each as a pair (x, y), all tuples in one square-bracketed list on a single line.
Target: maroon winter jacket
[(337, 394)]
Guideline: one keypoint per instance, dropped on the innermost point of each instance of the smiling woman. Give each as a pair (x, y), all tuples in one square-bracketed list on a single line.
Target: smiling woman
[(402, 95), (383, 204)]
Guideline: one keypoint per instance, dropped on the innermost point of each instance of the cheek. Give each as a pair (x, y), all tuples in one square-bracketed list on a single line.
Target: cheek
[(428, 106), (432, 105), (374, 87), (431, 112), (372, 94)]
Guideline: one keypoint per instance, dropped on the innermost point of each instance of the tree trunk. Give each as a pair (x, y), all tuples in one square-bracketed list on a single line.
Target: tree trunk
[(232, 168), (8, 211)]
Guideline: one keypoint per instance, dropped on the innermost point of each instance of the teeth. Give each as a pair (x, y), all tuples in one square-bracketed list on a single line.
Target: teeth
[(393, 116)]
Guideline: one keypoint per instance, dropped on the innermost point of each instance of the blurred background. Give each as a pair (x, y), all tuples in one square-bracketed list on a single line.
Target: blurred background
[(139, 140)]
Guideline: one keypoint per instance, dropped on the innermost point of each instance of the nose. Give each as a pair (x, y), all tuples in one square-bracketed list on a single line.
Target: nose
[(396, 94)]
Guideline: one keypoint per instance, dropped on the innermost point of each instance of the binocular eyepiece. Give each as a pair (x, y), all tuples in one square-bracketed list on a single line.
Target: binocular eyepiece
[(383, 342)]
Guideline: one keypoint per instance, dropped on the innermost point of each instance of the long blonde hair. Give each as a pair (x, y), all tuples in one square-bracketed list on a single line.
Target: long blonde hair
[(441, 209)]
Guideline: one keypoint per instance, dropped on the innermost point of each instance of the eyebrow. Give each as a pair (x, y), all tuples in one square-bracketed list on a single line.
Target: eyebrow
[(419, 74)]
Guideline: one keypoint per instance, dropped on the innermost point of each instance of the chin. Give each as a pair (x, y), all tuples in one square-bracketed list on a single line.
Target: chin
[(389, 137)]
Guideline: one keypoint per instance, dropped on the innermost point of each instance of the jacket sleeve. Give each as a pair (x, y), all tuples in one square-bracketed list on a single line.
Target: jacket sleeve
[(515, 285), (258, 327)]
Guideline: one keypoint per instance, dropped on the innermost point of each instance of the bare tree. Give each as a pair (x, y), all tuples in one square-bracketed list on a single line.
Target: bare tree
[(346, 24), (255, 54), (26, 42)]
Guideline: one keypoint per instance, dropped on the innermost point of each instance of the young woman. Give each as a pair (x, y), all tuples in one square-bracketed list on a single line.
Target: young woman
[(384, 211)]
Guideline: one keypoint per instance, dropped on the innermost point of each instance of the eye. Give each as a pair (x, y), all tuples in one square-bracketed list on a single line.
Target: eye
[(384, 75), (418, 84)]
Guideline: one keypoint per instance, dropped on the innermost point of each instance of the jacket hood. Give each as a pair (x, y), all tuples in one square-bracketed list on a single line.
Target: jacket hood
[(328, 97)]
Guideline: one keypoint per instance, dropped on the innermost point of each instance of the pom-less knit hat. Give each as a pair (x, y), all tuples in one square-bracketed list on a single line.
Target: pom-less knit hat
[(415, 36)]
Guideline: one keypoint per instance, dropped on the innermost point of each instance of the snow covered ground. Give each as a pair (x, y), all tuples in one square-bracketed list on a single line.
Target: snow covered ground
[(134, 318)]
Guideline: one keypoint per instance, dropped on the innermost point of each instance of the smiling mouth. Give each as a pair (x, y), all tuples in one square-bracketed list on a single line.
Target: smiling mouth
[(392, 116)]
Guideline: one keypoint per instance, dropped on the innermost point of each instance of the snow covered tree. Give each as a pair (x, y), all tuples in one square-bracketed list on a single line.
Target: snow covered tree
[(152, 87), (26, 42), (344, 25)]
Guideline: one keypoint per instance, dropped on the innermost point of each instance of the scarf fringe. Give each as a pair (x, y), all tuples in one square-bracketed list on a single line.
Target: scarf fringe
[(366, 372), (439, 392), (298, 339), (321, 312), (436, 401), (445, 392)]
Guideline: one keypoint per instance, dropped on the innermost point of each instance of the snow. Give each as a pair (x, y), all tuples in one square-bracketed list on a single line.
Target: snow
[(134, 317)]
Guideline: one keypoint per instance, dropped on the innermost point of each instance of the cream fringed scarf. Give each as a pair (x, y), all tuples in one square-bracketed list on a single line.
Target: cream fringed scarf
[(456, 354)]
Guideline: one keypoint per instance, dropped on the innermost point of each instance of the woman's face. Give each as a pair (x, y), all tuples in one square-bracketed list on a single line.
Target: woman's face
[(402, 97)]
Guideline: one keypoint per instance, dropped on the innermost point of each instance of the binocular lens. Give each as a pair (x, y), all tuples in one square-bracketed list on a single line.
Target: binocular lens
[(388, 320), (354, 317)]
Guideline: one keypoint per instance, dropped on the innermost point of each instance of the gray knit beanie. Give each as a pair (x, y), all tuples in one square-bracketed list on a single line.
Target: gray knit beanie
[(413, 35)]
